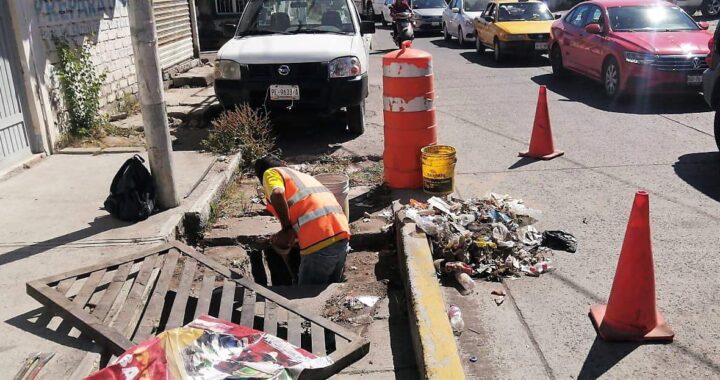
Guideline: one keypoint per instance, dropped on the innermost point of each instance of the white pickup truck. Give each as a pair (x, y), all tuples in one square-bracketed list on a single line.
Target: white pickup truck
[(298, 55)]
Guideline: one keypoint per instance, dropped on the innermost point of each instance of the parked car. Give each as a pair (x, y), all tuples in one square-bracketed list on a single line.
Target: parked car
[(631, 46), (292, 56), (513, 27), (711, 81), (428, 14), (458, 19)]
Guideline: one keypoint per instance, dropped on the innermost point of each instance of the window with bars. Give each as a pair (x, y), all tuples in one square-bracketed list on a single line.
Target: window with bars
[(226, 7)]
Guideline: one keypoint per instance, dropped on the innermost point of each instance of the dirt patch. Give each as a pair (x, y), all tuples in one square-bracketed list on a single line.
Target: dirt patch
[(243, 197), (354, 305)]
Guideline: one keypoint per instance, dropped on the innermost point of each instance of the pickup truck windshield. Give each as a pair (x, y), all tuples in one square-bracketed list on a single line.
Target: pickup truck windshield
[(649, 19), (524, 12), (296, 17)]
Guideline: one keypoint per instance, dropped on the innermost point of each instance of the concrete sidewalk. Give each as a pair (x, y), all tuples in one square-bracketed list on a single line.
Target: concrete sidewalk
[(51, 221)]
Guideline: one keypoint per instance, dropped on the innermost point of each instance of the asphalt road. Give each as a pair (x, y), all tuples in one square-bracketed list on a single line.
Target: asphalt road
[(663, 145)]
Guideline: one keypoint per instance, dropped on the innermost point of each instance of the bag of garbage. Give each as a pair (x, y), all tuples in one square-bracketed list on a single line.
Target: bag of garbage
[(132, 192), (559, 240)]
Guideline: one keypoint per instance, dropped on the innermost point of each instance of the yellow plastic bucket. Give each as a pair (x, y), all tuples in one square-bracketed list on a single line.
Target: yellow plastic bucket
[(438, 169)]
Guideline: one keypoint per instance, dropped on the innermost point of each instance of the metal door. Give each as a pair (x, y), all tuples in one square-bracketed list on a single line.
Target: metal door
[(14, 142), (174, 31)]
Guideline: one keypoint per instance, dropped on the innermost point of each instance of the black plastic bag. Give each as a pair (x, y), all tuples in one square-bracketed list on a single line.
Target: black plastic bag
[(132, 192), (559, 240)]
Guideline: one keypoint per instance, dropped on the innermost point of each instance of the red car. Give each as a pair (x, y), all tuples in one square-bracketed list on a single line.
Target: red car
[(631, 46)]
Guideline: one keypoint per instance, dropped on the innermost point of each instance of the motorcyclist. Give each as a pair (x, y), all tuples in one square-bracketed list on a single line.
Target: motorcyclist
[(399, 6)]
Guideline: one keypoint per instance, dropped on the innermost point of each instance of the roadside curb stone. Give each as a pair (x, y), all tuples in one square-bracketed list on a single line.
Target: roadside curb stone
[(433, 340)]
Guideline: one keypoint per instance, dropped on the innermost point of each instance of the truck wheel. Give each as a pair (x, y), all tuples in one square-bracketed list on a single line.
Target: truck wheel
[(356, 119), (717, 129)]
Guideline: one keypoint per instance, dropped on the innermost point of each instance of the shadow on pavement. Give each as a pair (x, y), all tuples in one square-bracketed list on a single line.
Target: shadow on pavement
[(38, 323), (452, 44), (487, 60), (700, 170), (99, 225), (603, 356), (577, 88), (302, 138), (523, 161)]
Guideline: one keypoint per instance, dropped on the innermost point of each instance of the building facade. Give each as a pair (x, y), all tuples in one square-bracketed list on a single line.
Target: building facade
[(30, 104)]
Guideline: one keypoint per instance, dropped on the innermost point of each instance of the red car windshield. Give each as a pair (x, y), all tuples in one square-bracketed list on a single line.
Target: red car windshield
[(650, 19), (524, 12)]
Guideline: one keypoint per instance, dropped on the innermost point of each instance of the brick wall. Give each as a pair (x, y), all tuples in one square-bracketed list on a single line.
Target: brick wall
[(106, 23)]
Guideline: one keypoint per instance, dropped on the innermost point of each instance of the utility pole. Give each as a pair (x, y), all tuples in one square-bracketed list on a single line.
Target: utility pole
[(152, 101)]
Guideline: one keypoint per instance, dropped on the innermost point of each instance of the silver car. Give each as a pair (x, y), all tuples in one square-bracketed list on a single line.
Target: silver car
[(427, 14), (458, 19)]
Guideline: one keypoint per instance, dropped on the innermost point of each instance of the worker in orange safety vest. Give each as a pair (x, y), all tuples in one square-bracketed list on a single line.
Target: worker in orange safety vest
[(310, 217)]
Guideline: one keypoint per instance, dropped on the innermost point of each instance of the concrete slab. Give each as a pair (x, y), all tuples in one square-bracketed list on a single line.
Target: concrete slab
[(60, 200), (202, 76), (230, 231)]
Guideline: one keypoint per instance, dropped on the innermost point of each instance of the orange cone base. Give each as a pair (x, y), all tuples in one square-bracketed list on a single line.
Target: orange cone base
[(661, 333), (550, 156)]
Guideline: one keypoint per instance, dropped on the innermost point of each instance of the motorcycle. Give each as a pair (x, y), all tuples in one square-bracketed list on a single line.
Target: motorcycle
[(403, 27)]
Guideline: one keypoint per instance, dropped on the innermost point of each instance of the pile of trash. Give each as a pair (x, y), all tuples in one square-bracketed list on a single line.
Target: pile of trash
[(490, 238)]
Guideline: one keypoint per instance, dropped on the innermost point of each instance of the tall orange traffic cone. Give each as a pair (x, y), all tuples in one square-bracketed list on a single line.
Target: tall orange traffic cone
[(631, 314), (541, 141)]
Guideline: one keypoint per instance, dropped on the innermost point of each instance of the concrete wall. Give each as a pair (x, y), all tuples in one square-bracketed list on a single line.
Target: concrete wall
[(106, 23), (37, 23)]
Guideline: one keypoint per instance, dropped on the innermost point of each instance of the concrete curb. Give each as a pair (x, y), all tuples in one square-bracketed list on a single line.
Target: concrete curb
[(216, 181), (433, 341)]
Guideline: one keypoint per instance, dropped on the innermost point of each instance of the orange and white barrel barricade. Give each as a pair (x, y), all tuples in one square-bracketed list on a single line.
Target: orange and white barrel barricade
[(409, 113)]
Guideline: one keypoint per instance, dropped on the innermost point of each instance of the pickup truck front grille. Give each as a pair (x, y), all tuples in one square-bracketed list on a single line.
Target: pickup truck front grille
[(680, 63), (314, 70)]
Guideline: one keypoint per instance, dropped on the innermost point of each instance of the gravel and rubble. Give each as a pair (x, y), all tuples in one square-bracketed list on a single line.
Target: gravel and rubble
[(489, 238)]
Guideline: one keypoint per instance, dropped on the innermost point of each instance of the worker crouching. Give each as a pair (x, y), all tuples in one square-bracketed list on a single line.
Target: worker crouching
[(310, 217)]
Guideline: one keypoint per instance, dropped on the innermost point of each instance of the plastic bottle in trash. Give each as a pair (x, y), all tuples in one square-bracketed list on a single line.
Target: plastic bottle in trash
[(456, 320), (465, 281)]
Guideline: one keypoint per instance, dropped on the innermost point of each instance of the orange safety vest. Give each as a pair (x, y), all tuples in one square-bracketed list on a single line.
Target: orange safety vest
[(316, 215)]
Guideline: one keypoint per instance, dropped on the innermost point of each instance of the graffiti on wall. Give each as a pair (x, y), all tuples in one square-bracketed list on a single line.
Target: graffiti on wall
[(71, 18)]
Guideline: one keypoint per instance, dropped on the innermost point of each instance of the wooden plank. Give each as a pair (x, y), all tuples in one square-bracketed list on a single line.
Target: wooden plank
[(227, 300), (177, 313), (88, 288), (294, 328), (318, 340), (86, 323), (262, 291), (247, 313), (151, 319), (205, 295), (65, 285), (270, 318), (107, 265), (103, 306), (133, 303)]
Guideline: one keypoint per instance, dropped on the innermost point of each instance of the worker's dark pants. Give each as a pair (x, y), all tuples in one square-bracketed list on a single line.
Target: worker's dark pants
[(324, 266)]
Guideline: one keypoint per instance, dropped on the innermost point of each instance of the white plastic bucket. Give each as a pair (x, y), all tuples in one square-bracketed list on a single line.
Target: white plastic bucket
[(339, 185)]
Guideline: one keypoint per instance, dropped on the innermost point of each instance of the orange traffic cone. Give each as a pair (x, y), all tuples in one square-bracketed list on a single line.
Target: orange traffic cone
[(631, 314), (541, 141)]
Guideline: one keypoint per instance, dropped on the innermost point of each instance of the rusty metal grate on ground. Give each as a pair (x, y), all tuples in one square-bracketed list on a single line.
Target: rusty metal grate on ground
[(124, 301)]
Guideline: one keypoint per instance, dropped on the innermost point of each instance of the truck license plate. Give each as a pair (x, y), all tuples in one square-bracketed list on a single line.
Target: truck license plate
[(284, 92), (694, 79), (541, 46)]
